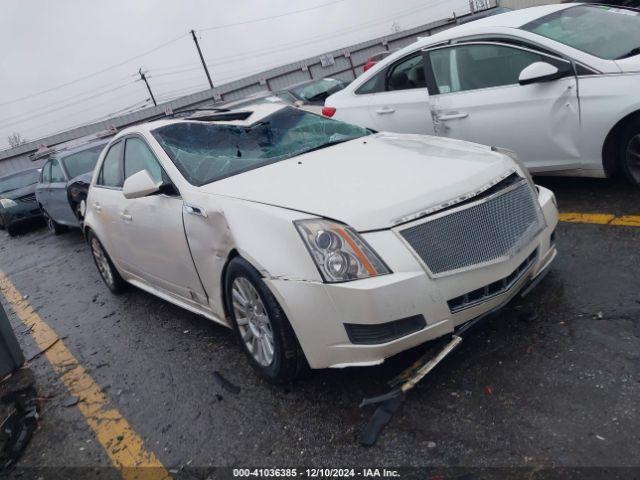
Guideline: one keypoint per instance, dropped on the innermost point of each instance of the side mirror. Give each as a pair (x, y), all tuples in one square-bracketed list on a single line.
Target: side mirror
[(539, 72), (140, 185)]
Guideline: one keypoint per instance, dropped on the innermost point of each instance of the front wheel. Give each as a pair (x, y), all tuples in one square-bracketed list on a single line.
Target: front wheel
[(52, 225), (107, 271), (629, 152), (262, 326)]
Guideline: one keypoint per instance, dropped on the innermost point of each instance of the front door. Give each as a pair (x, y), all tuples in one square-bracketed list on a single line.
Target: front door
[(153, 241), (59, 207), (477, 98)]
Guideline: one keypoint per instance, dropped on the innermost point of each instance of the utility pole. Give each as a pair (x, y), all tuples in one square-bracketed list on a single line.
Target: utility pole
[(143, 77), (204, 65)]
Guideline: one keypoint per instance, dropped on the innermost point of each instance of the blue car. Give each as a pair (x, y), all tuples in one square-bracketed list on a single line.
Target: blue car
[(63, 170)]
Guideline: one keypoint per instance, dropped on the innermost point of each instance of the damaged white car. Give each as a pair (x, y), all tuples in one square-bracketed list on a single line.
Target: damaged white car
[(320, 242)]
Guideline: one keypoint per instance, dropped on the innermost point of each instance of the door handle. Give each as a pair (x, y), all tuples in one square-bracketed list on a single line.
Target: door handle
[(385, 110), (97, 206), (452, 116), (125, 216)]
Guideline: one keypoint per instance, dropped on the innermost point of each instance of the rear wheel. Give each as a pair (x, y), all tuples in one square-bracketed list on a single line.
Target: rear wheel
[(108, 272), (12, 230), (262, 326), (629, 151), (52, 225)]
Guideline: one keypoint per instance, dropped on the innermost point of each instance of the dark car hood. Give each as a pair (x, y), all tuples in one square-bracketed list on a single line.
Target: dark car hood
[(20, 192)]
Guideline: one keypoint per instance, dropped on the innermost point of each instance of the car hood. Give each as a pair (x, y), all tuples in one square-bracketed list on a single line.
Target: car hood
[(372, 182), (20, 192), (629, 65)]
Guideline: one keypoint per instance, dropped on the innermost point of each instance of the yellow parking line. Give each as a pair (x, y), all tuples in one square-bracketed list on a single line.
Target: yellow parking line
[(601, 219), (123, 446)]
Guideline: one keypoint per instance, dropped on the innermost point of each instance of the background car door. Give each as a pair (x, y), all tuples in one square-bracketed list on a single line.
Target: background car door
[(58, 204), (476, 96), (398, 99), (42, 189), (153, 241)]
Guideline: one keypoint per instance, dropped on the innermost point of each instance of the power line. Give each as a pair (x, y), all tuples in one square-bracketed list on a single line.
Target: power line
[(271, 17), (111, 67)]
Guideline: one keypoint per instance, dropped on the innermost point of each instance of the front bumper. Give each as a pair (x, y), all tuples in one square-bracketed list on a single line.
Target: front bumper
[(22, 212), (320, 312)]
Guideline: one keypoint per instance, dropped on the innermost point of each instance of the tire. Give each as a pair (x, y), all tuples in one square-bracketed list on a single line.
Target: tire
[(263, 315), (629, 151), (12, 230), (52, 225), (107, 270)]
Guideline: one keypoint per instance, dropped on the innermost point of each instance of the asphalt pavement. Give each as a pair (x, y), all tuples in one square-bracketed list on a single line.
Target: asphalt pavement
[(551, 381)]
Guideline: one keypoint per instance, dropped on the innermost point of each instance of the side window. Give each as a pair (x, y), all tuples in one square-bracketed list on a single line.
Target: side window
[(46, 172), (374, 85), (56, 172), (111, 170), (138, 156), (471, 67), (407, 74)]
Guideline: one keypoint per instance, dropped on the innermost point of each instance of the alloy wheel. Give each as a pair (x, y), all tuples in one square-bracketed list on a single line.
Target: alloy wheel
[(633, 158), (102, 262), (253, 321)]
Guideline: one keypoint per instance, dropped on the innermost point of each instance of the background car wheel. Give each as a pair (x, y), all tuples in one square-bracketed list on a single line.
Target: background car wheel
[(629, 153), (262, 326), (108, 272), (53, 227), (12, 230)]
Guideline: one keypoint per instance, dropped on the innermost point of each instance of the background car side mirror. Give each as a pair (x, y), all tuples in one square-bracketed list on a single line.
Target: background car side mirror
[(539, 72), (140, 185)]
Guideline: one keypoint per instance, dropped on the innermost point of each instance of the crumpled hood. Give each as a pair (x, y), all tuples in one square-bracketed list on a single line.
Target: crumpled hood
[(370, 182), (20, 192)]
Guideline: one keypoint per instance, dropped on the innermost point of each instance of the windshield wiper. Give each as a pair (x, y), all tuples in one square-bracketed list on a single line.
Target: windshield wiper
[(328, 144), (631, 53)]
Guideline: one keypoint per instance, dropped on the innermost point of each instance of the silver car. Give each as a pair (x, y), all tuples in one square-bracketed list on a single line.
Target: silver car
[(61, 170)]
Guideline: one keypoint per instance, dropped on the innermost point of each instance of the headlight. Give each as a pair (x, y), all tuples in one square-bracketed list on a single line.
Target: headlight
[(514, 156), (7, 202), (339, 252)]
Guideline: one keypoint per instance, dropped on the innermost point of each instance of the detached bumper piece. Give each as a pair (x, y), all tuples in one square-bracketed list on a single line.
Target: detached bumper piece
[(384, 332)]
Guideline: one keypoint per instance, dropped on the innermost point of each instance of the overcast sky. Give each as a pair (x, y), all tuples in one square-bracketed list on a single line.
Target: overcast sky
[(49, 44)]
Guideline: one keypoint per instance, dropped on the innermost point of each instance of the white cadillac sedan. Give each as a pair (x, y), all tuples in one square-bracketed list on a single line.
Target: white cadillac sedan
[(319, 242), (558, 84)]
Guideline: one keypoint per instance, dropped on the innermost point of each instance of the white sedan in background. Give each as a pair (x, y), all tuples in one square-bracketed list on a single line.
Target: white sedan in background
[(558, 84), (320, 242)]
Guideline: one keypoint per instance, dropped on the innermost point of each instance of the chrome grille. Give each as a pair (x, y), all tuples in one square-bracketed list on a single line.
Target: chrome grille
[(478, 233)]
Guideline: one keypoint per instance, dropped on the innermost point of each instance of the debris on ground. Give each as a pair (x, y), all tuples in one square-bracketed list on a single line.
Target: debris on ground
[(19, 408), (44, 350), (70, 402), (224, 384)]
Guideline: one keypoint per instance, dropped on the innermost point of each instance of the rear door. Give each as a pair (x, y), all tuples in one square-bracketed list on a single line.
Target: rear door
[(152, 243), (104, 196), (476, 97), (398, 98)]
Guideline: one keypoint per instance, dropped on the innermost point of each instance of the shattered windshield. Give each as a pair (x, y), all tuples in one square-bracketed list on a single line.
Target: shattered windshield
[(19, 180), (606, 32), (206, 151), (82, 162)]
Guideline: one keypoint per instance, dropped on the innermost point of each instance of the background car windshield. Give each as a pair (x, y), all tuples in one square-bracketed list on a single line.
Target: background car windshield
[(319, 90), (82, 162), (206, 152), (605, 32), (19, 180)]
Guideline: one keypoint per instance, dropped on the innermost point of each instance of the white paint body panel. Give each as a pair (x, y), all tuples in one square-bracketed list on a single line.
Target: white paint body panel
[(557, 127), (368, 183)]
